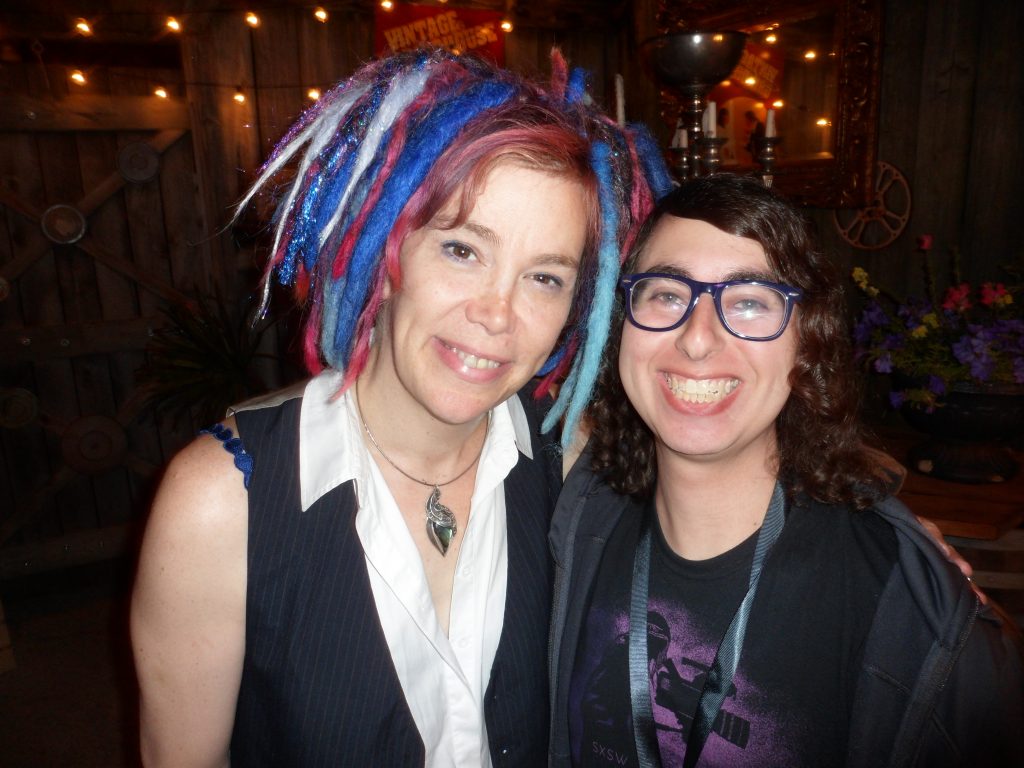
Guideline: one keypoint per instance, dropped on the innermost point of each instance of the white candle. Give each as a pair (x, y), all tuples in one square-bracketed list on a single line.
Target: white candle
[(620, 100), (769, 128), (712, 115), (678, 136)]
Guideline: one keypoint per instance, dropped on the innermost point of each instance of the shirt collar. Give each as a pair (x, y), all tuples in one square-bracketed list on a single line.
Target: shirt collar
[(331, 447)]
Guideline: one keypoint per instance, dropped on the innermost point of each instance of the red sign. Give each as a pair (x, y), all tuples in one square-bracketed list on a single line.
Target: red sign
[(461, 30)]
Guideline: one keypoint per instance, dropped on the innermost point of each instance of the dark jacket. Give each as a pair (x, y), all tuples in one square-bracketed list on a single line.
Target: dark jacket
[(318, 684), (941, 682)]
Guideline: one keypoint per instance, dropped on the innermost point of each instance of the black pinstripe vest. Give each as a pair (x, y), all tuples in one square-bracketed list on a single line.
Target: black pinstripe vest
[(318, 684)]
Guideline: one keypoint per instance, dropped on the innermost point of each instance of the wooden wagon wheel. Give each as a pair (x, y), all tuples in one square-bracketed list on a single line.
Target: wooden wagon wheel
[(18, 408), (880, 223), (93, 444)]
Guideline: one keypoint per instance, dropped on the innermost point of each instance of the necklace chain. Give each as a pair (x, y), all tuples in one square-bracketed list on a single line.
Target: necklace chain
[(441, 523), (380, 450)]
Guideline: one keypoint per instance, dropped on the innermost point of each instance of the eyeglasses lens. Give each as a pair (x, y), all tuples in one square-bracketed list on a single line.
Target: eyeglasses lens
[(753, 311)]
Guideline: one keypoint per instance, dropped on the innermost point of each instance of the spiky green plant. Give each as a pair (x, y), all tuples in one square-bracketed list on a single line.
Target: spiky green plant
[(202, 361)]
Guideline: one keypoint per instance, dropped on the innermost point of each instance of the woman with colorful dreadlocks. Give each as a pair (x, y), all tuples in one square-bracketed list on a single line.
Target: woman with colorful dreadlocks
[(362, 576)]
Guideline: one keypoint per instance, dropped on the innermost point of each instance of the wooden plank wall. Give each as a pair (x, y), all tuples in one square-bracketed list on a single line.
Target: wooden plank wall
[(952, 101), (952, 104), (950, 116), (77, 317)]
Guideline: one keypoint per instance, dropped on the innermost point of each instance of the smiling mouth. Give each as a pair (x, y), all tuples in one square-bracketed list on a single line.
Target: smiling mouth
[(472, 361), (701, 390)]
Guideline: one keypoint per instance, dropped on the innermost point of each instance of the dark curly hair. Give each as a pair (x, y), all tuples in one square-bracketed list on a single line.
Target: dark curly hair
[(820, 439)]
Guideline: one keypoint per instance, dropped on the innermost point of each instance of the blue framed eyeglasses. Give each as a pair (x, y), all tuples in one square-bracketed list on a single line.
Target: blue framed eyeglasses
[(748, 309)]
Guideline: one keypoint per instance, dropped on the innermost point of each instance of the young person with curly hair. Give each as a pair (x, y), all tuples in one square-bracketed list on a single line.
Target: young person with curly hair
[(734, 584), (362, 578)]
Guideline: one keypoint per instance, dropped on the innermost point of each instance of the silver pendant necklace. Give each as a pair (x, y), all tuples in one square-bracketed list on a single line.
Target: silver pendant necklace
[(441, 527)]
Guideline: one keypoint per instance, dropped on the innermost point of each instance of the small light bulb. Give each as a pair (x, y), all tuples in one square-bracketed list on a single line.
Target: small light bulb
[(239, 97), (810, 55), (822, 121), (83, 26), (387, 5), (506, 25), (778, 104), (726, 83), (252, 19), (173, 24), (750, 80), (771, 38), (321, 15), (313, 94), (78, 76), (160, 92), (718, 38)]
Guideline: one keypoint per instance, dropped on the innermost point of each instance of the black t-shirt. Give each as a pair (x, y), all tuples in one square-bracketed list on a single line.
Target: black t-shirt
[(793, 689)]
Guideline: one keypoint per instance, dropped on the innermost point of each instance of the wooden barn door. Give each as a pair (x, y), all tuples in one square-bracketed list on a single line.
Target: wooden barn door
[(99, 230), (115, 204)]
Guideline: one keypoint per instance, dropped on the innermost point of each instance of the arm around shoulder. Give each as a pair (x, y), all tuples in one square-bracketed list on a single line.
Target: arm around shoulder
[(188, 609)]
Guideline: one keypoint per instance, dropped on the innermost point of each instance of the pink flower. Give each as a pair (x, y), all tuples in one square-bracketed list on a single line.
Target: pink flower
[(924, 243), (993, 294), (957, 298)]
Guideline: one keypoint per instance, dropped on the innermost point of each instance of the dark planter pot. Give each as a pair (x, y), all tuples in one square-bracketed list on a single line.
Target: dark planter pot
[(971, 431)]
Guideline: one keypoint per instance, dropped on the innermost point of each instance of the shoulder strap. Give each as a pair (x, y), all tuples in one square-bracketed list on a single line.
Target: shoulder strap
[(233, 445)]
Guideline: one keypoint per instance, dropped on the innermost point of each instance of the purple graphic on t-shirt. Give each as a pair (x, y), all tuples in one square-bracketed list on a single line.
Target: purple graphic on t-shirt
[(746, 731), (752, 729)]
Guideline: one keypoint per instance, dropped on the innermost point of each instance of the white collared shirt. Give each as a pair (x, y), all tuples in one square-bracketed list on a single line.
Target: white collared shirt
[(444, 678)]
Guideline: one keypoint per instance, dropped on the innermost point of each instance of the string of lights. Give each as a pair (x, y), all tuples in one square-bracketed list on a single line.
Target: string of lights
[(175, 21), (164, 90), (176, 24)]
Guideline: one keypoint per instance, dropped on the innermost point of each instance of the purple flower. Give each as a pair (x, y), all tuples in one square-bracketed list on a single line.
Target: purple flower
[(896, 399), (874, 314), (974, 353), (891, 341), (937, 385), (883, 364), (871, 318)]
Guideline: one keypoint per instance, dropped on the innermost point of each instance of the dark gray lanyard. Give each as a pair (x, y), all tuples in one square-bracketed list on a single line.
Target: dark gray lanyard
[(719, 678)]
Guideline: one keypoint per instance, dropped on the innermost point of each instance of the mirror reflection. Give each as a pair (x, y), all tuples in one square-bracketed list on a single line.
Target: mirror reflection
[(786, 83)]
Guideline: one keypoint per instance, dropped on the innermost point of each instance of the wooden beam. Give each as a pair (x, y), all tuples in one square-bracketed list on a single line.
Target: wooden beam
[(86, 206), (93, 112), (103, 191), (158, 51), (98, 251), (78, 548), (36, 343)]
